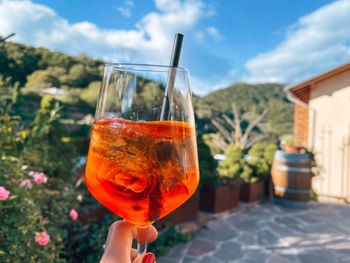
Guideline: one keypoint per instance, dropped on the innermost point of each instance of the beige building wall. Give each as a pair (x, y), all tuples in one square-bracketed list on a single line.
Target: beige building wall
[(331, 140)]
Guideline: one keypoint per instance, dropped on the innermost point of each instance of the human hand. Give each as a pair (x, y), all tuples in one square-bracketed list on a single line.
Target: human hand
[(119, 243)]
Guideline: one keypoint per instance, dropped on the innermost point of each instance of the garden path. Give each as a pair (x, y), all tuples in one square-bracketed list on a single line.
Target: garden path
[(267, 233)]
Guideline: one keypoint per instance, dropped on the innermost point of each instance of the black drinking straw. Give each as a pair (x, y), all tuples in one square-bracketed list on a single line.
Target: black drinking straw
[(174, 62)]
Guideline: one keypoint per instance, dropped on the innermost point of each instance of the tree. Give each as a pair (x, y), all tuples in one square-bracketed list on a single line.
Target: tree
[(42, 79), (90, 94), (235, 135)]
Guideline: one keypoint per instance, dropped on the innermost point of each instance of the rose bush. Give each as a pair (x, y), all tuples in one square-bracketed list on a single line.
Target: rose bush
[(36, 187)]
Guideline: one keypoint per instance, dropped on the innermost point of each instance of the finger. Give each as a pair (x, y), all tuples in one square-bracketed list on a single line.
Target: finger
[(146, 234), (119, 242), (134, 254), (147, 258)]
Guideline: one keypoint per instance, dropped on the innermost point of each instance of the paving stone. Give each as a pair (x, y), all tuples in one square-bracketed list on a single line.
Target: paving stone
[(167, 260), (229, 251), (287, 253), (260, 213), (290, 223), (247, 239), (292, 240), (266, 237), (278, 229), (339, 244), (344, 212), (200, 247), (208, 259), (190, 259), (257, 254), (317, 258), (343, 255), (317, 234), (217, 230), (236, 218), (177, 250), (276, 259), (248, 225), (309, 218)]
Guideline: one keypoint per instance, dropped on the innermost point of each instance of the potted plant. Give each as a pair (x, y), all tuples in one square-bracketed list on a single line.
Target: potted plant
[(255, 171), (217, 193), (288, 146)]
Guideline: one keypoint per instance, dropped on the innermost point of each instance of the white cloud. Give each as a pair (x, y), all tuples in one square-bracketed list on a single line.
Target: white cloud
[(149, 42), (317, 42), (201, 86), (126, 9), (214, 33)]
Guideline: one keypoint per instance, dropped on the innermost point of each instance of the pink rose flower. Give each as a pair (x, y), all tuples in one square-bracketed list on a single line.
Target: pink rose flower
[(4, 194), (42, 239), (31, 173), (40, 178), (14, 181), (73, 214), (26, 182)]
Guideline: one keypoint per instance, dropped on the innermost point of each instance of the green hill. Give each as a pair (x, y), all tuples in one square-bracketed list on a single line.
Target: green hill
[(248, 98), (36, 69)]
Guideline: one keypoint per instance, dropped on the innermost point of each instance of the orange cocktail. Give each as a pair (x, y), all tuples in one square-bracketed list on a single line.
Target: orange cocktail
[(142, 170)]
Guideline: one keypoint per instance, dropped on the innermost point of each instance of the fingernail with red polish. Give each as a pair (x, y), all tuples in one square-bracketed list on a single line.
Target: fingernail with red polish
[(149, 258)]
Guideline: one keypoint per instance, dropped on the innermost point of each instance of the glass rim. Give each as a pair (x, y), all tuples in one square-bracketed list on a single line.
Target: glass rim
[(144, 67)]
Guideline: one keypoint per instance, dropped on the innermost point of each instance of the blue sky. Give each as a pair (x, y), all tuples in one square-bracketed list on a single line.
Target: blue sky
[(225, 41)]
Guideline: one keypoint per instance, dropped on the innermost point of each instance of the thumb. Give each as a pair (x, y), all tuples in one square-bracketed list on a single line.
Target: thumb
[(147, 258)]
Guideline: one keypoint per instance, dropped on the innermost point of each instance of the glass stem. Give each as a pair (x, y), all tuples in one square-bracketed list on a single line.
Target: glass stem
[(141, 248)]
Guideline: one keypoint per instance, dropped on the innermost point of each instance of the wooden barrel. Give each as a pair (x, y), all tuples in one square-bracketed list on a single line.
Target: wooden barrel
[(291, 176)]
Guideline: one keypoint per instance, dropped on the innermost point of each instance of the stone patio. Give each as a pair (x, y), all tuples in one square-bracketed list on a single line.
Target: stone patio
[(265, 232)]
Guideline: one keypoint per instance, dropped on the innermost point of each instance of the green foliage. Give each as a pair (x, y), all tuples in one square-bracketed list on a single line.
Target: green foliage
[(90, 95), (45, 147), (20, 61), (279, 119), (255, 168), (30, 210), (47, 76), (313, 196), (80, 75), (167, 239), (260, 158), (233, 165), (269, 153), (71, 96), (247, 174), (209, 139), (85, 243), (207, 165)]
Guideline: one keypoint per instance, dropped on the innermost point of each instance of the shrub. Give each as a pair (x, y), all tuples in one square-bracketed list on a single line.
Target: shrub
[(260, 159), (207, 165), (35, 218), (255, 168), (232, 167)]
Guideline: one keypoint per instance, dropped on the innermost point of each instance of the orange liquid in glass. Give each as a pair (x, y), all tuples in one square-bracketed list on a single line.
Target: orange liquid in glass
[(142, 171)]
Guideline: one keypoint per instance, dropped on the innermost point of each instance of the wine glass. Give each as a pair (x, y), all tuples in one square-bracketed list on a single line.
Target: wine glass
[(142, 165)]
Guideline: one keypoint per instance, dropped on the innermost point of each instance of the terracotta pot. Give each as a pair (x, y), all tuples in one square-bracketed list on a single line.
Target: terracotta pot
[(289, 148), (251, 192), (219, 199), (188, 211)]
